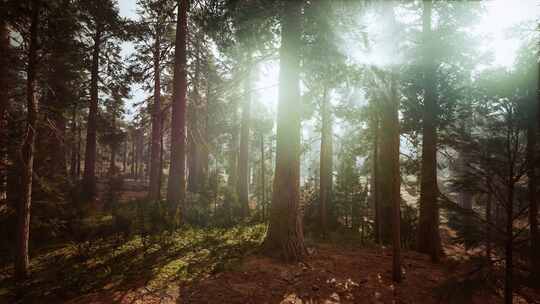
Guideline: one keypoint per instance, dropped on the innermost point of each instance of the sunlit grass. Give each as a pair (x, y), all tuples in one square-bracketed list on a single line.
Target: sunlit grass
[(155, 260)]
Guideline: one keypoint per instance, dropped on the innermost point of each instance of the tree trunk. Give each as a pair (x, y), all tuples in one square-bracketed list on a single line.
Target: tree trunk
[(428, 239), (263, 181), (4, 101), (155, 163), (233, 148), (124, 155), (89, 178), (243, 160), (176, 188), (377, 181), (114, 144), (23, 211), (285, 232), (161, 156), (489, 222), (325, 171), (73, 162)]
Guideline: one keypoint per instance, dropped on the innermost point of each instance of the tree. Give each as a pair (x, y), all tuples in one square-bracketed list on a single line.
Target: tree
[(285, 232), (176, 187), (533, 162), (4, 98), (428, 240), (388, 165), (23, 210), (63, 57), (152, 51), (102, 23), (243, 157)]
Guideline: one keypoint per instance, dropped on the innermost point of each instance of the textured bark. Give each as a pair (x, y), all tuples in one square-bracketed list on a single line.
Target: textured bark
[(89, 177), (233, 148), (197, 140), (242, 185), (132, 165), (23, 210), (176, 187), (4, 84), (74, 146), (389, 176), (325, 180), (114, 145), (155, 150), (428, 240), (285, 232)]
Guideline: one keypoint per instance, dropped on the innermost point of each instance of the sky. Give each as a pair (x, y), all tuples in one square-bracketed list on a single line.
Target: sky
[(500, 17)]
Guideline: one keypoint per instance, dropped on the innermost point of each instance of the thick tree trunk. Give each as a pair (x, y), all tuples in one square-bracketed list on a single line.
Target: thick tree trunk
[(161, 156), (155, 151), (325, 180), (389, 177), (114, 146), (132, 165), (4, 100), (233, 149), (428, 239), (243, 160), (396, 182), (285, 232), (176, 187), (89, 178), (74, 145), (23, 210), (124, 155)]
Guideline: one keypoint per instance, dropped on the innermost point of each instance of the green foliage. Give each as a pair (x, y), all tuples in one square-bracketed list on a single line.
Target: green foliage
[(158, 258)]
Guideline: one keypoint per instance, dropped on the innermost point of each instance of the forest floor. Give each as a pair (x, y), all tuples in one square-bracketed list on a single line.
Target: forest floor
[(195, 266), (220, 266)]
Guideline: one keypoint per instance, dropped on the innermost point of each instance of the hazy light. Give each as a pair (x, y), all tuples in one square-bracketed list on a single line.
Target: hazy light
[(496, 25)]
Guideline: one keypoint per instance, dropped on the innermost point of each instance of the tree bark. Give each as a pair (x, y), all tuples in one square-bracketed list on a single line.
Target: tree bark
[(428, 240), (155, 150), (23, 211), (263, 179), (176, 187), (243, 160), (114, 144), (325, 171), (285, 236), (89, 177), (4, 101)]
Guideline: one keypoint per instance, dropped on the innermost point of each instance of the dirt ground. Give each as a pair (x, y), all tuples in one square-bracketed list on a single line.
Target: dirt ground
[(330, 275)]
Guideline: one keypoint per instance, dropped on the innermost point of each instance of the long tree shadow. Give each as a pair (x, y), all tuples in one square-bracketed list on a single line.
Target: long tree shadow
[(112, 268)]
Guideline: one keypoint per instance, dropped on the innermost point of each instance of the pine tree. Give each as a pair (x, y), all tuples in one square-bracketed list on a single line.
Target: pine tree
[(285, 232), (176, 188)]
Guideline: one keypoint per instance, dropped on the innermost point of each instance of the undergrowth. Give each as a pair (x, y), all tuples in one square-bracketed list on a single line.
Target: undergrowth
[(116, 262)]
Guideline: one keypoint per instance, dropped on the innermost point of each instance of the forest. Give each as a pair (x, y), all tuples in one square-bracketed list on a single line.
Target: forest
[(269, 151)]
